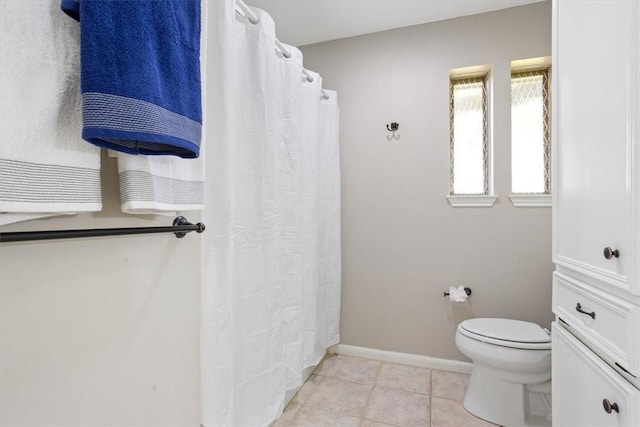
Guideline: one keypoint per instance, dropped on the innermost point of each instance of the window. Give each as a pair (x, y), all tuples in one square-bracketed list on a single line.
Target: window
[(530, 138), (469, 139)]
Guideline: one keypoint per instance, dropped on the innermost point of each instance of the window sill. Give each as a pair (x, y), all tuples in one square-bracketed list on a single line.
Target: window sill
[(479, 201), (531, 200)]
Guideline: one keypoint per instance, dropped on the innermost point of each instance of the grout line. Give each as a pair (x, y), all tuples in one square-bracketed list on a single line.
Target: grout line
[(449, 399), (383, 422), (375, 383), (430, 397)]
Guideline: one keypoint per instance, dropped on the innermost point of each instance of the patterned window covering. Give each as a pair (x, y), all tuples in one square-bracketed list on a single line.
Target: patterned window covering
[(469, 148), (530, 132)]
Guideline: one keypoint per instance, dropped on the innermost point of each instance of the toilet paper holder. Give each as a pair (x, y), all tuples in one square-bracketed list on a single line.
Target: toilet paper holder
[(466, 290)]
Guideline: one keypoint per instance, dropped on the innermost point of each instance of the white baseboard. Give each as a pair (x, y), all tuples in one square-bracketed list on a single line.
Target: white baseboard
[(403, 358)]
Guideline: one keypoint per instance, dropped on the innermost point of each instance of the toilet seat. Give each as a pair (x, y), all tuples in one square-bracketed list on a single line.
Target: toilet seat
[(506, 333)]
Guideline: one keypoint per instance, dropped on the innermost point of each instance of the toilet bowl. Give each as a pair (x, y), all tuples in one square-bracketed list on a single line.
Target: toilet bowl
[(510, 381)]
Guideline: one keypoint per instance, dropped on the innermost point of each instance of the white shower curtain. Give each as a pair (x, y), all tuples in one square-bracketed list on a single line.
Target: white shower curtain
[(271, 266)]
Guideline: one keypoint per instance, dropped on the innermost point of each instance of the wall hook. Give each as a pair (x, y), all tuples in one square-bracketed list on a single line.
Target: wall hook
[(393, 128)]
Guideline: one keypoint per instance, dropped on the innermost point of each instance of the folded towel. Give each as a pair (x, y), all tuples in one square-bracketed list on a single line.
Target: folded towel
[(160, 185), (140, 75), (45, 167)]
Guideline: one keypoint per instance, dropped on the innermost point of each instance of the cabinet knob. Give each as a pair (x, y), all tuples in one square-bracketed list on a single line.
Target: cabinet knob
[(608, 406), (610, 253)]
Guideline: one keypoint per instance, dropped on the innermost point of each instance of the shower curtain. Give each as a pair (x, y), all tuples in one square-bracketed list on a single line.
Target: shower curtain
[(271, 261)]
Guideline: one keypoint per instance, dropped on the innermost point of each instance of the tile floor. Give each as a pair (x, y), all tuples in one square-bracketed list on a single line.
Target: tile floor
[(355, 392)]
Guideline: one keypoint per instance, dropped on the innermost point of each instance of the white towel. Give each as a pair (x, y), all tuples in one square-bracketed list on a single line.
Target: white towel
[(164, 185), (45, 167), (160, 185)]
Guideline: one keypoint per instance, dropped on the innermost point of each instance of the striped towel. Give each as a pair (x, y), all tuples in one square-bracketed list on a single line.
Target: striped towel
[(45, 167), (160, 185)]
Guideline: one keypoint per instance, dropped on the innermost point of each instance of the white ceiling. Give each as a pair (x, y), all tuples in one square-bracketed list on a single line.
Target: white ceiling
[(300, 22)]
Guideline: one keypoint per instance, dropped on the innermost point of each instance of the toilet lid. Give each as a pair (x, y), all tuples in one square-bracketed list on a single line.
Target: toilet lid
[(516, 331)]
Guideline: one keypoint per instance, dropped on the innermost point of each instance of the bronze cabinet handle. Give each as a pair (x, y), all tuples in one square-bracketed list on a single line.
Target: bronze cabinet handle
[(580, 310), (610, 253), (608, 406)]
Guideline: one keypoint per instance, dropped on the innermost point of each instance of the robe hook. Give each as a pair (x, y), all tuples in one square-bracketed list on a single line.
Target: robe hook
[(393, 128)]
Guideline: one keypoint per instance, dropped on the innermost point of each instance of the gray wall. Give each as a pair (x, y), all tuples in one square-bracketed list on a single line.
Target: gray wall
[(403, 245), (100, 331)]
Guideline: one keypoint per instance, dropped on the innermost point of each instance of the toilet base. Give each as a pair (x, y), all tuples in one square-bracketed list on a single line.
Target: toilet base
[(500, 402)]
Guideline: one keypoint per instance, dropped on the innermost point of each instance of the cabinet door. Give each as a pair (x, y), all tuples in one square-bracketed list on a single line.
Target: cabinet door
[(582, 382), (595, 81)]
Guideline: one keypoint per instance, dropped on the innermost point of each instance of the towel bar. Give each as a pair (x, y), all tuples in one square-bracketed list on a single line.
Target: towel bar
[(181, 226)]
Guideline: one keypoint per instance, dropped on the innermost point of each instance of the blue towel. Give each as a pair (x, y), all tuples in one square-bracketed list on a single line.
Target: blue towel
[(140, 74)]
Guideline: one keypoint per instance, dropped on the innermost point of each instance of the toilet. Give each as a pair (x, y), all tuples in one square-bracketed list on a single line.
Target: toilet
[(510, 381)]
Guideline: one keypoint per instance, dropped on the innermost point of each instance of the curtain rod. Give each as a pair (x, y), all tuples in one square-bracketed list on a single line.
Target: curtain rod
[(253, 18), (181, 226)]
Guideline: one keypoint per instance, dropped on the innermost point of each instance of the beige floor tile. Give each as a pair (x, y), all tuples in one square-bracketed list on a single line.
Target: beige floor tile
[(408, 378), (315, 417), (339, 396), (397, 407), (449, 385), (307, 389), (349, 391), (449, 413), (325, 364), (353, 369), (289, 413)]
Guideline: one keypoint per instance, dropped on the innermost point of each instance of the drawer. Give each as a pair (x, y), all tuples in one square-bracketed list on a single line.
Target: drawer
[(582, 382), (610, 324)]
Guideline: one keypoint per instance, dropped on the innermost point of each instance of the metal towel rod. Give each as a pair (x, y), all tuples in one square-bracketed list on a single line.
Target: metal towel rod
[(181, 226)]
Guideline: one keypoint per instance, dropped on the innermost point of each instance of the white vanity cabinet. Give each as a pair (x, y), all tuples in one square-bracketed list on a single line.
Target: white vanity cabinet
[(595, 101), (596, 212)]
